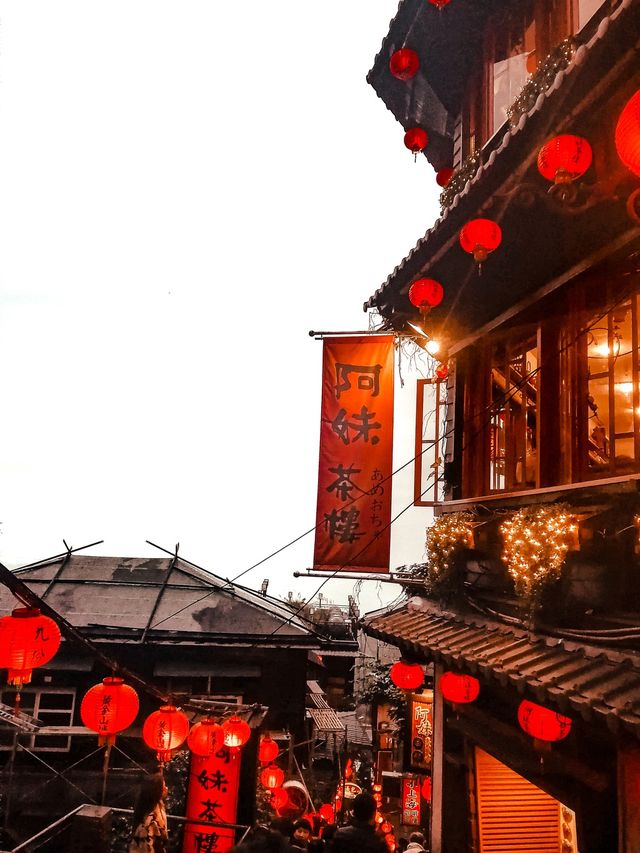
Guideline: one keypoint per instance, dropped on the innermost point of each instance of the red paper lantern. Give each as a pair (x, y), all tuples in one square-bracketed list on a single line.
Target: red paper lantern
[(268, 750), (407, 676), (564, 158), (404, 63), (426, 293), (386, 827), (628, 134), (459, 689), (479, 237), (235, 732), (416, 139), (279, 798), (439, 3), (542, 723), (443, 176), (327, 813), (109, 708), (27, 640), (425, 790), (442, 372), (205, 738), (165, 730), (272, 777)]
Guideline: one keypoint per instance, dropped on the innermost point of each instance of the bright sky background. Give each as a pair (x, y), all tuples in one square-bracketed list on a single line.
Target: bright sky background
[(186, 188)]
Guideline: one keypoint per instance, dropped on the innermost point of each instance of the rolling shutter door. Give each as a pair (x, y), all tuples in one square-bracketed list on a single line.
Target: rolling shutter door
[(513, 815)]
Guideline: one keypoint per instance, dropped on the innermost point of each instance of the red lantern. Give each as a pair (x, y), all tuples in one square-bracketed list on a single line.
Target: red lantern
[(425, 790), (439, 3), (165, 730), (416, 139), (109, 708), (542, 723), (459, 689), (564, 158), (205, 738), (235, 732), (407, 676), (426, 293), (279, 798), (386, 827), (479, 237), (272, 777), (442, 372), (628, 134), (268, 750), (327, 813), (443, 176), (27, 640), (404, 63)]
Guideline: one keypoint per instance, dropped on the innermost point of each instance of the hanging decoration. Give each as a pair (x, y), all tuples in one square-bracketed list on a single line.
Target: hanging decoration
[(460, 178), (443, 176), (439, 4), (425, 294), (564, 158), (407, 676), (268, 750), (479, 237), (542, 77), (404, 63), (272, 777), (536, 541), (205, 738), (235, 732), (108, 708), (415, 139), (27, 640), (442, 372), (543, 724), (386, 827), (627, 135), (165, 730), (279, 798), (458, 688), (327, 813), (447, 538), (425, 790)]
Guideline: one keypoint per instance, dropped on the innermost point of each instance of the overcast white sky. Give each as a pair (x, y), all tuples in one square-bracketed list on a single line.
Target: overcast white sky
[(186, 188)]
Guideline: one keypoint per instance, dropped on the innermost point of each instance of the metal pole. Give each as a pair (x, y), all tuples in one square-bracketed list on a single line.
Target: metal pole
[(105, 772), (350, 576)]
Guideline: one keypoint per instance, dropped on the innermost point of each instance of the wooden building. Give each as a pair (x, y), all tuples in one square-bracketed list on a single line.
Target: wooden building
[(538, 416)]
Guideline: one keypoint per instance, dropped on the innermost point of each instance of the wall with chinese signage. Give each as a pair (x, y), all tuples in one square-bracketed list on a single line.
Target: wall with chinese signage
[(212, 797), (356, 446), (421, 722)]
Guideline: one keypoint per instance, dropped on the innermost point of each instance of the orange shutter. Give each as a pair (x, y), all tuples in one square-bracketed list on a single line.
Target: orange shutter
[(513, 815)]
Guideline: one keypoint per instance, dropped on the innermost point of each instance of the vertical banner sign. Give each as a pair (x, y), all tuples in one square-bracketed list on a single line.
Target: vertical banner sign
[(421, 732), (410, 801), (356, 443), (212, 796)]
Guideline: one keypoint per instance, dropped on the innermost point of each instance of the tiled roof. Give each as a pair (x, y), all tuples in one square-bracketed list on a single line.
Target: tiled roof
[(358, 732), (600, 686), (423, 247)]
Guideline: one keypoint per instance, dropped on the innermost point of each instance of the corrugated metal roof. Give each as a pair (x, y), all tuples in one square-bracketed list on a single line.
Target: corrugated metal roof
[(357, 732), (325, 720), (318, 701), (600, 686)]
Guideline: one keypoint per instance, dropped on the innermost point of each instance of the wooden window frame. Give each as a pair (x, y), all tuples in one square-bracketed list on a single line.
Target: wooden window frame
[(421, 443), (34, 740)]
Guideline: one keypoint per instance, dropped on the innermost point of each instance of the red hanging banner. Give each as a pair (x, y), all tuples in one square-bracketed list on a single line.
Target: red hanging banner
[(411, 801), (356, 446), (212, 797)]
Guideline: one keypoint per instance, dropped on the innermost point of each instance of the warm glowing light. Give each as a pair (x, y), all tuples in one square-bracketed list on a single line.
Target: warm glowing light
[(624, 387), (418, 330), (445, 538), (407, 676), (433, 347)]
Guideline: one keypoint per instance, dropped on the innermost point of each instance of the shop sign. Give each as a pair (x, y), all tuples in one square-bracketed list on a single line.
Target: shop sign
[(411, 801), (212, 798), (421, 732)]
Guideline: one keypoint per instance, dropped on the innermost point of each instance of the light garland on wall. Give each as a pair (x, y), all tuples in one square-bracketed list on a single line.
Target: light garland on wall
[(446, 538), (459, 179), (536, 542), (541, 79)]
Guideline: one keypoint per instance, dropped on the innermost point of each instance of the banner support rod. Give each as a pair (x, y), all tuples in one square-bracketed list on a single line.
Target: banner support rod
[(351, 576)]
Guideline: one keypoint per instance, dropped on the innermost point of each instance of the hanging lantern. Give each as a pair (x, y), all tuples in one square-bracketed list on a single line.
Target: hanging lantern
[(628, 134), (235, 732), (205, 738), (27, 640), (442, 372), (459, 689), (165, 730), (268, 750), (542, 723), (425, 790), (109, 708), (407, 676), (386, 827), (404, 63), (479, 237), (443, 176), (272, 777), (426, 293), (415, 139), (327, 813), (564, 158), (279, 798), (439, 3)]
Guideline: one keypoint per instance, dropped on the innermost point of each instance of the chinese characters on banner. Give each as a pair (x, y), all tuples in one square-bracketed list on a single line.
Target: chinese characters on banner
[(212, 796), (421, 731), (356, 442), (411, 801)]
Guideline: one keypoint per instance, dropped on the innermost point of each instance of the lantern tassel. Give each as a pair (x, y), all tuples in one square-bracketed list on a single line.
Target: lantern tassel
[(16, 704)]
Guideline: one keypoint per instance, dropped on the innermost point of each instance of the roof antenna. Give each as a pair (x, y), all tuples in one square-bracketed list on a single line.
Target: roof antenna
[(264, 586)]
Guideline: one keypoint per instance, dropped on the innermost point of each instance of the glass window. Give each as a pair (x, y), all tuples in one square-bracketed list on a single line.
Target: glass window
[(513, 59), (586, 11), (431, 413)]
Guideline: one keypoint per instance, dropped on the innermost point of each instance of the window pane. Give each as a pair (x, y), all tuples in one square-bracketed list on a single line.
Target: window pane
[(586, 10), (513, 60)]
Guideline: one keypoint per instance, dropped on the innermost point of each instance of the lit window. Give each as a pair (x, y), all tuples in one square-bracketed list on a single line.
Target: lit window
[(514, 57)]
